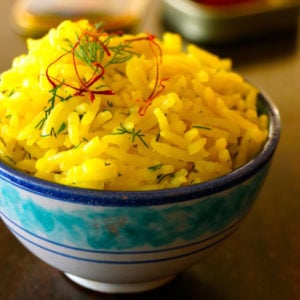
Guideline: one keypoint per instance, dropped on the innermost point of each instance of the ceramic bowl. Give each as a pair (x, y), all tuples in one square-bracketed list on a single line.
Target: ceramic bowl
[(114, 241)]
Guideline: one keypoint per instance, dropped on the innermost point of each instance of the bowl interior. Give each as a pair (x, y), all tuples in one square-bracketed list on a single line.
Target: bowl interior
[(155, 197)]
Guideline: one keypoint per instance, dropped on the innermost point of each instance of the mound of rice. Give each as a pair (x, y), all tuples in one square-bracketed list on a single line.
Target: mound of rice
[(125, 112)]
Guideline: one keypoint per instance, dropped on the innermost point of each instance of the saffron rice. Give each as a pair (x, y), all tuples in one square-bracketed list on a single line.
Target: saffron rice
[(159, 116)]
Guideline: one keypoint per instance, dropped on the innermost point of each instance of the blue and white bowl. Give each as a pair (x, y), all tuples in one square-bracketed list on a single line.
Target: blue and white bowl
[(114, 241)]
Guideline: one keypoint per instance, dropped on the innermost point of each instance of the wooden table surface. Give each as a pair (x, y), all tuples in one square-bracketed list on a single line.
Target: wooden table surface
[(262, 259)]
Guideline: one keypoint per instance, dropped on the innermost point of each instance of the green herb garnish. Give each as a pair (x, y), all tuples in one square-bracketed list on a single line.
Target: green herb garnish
[(51, 102), (155, 167), (134, 134), (201, 127), (161, 177)]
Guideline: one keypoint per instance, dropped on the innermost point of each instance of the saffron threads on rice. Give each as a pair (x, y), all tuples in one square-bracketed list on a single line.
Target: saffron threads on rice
[(125, 112)]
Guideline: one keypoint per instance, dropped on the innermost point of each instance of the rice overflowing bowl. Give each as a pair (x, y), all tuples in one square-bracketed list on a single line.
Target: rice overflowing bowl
[(125, 112)]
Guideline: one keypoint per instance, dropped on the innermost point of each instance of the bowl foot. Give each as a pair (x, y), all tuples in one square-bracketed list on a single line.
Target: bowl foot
[(105, 287)]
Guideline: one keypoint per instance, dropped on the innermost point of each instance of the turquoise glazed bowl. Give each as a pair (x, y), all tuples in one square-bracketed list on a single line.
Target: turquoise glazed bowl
[(115, 241)]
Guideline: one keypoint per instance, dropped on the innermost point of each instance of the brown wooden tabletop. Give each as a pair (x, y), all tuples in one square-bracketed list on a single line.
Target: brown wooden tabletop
[(262, 259)]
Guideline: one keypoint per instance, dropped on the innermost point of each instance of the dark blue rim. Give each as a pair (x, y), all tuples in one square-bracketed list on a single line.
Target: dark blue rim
[(154, 197)]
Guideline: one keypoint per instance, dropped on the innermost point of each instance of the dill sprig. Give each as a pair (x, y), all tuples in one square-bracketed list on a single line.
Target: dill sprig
[(96, 47), (133, 132), (201, 127), (155, 167), (51, 103), (121, 53), (161, 177)]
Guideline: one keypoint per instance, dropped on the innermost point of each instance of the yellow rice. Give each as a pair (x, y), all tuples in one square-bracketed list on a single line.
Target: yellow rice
[(202, 124)]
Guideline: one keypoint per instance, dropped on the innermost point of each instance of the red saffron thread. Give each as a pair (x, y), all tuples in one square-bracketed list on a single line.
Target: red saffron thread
[(85, 86), (159, 86)]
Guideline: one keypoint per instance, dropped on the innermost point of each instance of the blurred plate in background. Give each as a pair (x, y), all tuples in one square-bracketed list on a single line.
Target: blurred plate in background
[(241, 20), (35, 17)]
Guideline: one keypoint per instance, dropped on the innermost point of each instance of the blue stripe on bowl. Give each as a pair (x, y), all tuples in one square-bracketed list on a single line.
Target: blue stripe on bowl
[(124, 262), (8, 221)]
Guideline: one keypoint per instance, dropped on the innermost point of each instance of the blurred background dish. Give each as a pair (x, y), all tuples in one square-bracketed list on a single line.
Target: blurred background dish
[(34, 17), (230, 20)]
